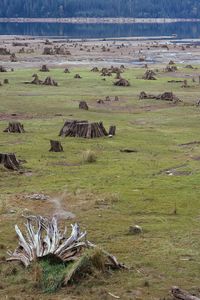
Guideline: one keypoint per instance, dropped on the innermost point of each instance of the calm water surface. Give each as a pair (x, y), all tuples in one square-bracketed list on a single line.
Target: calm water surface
[(182, 30)]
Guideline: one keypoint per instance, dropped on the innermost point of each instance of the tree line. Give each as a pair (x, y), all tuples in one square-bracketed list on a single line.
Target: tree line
[(100, 8)]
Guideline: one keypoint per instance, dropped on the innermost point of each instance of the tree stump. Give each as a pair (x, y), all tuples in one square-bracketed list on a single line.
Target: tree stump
[(181, 294), (66, 70), (15, 127), (149, 75), (83, 105), (77, 76), (50, 81), (84, 129), (112, 130), (9, 161), (185, 84), (56, 146), (13, 58), (6, 81), (122, 82), (2, 69), (44, 68)]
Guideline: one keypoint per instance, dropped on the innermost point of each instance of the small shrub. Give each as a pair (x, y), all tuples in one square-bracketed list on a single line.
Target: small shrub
[(89, 156)]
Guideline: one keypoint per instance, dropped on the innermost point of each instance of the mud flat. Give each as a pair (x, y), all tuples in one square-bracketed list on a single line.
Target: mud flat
[(30, 51)]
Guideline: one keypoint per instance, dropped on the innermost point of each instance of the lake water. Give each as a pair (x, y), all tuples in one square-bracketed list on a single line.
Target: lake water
[(182, 30)]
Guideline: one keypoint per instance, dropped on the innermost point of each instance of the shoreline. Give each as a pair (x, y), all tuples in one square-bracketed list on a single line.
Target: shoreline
[(98, 20)]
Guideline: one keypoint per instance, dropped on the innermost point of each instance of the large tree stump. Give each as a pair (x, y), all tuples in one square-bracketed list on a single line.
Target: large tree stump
[(182, 295), (56, 146), (112, 130), (84, 129), (83, 105), (9, 161), (15, 127)]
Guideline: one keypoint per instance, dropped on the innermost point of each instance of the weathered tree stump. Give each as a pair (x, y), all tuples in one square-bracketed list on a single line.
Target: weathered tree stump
[(112, 130), (83, 105), (66, 70), (44, 68), (122, 82), (35, 80), (2, 69), (185, 84), (84, 129), (118, 75), (55, 146), (182, 295), (13, 58), (149, 75), (50, 81), (100, 101), (9, 161), (95, 69), (6, 81), (77, 76), (15, 127)]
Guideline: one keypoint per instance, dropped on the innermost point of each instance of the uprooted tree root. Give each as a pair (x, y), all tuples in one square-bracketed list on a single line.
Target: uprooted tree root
[(63, 260)]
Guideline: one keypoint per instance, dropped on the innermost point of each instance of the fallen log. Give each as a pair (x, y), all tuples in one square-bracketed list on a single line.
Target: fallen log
[(182, 295)]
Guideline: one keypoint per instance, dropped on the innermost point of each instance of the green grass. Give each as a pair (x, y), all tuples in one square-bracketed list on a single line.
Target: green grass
[(116, 191)]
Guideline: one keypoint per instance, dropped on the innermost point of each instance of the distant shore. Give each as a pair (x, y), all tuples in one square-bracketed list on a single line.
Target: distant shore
[(96, 20)]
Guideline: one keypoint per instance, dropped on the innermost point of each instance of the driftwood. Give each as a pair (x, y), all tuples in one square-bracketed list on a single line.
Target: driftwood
[(182, 295), (9, 161), (84, 129), (55, 146), (15, 127), (83, 105), (44, 239)]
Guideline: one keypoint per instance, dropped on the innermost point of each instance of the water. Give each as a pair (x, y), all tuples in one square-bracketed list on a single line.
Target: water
[(182, 30)]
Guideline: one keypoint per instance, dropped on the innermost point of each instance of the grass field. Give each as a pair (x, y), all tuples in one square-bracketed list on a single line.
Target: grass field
[(117, 191)]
